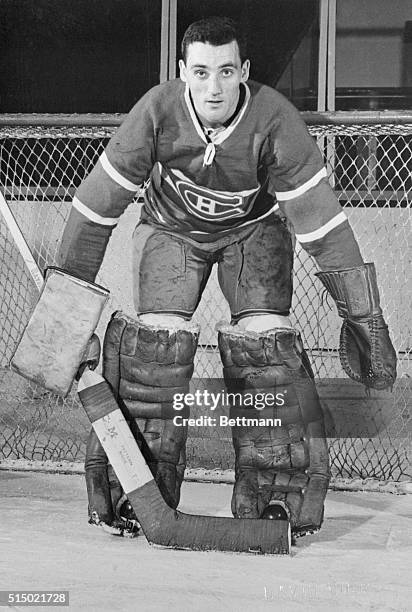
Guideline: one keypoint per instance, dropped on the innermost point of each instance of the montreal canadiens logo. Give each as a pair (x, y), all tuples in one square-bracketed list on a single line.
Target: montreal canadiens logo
[(208, 205)]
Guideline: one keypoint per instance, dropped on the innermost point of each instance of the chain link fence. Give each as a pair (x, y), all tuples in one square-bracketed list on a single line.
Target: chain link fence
[(370, 170)]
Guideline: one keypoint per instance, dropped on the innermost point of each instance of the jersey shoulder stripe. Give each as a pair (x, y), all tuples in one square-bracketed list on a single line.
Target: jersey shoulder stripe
[(116, 176)]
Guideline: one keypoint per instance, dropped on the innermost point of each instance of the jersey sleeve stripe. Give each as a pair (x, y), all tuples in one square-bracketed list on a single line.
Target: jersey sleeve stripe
[(283, 196), (116, 176), (91, 215), (323, 230)]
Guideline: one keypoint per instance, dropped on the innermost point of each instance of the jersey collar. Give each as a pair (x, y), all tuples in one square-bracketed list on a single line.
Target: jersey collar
[(223, 134)]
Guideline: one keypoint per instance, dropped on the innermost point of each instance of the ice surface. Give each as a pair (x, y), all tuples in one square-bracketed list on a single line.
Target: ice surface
[(360, 560)]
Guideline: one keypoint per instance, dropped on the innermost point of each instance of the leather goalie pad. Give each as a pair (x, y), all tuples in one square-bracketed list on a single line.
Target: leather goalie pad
[(145, 367), (284, 461)]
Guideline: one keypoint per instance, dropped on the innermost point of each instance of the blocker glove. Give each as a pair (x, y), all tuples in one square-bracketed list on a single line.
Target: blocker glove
[(366, 351), (58, 341)]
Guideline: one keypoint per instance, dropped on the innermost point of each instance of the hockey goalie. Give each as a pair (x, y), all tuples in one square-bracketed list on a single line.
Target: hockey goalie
[(227, 165)]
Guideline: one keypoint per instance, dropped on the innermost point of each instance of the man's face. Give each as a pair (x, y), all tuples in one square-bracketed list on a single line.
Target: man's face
[(213, 75)]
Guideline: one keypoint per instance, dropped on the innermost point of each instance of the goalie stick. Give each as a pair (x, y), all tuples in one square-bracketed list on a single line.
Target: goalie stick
[(21, 243), (161, 524)]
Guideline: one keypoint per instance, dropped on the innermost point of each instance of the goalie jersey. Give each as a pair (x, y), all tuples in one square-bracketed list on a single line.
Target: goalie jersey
[(197, 183)]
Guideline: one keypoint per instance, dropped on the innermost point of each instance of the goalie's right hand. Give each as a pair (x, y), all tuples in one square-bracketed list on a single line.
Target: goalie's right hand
[(91, 357)]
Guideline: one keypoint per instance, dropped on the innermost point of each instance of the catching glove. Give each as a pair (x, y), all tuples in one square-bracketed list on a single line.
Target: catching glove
[(366, 352)]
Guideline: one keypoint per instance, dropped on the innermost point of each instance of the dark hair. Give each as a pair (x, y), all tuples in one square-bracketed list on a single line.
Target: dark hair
[(215, 31)]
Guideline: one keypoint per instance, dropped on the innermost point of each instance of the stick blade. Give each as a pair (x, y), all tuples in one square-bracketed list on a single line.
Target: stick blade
[(162, 525)]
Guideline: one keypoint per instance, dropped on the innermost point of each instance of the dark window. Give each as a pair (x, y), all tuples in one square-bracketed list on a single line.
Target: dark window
[(276, 29), (77, 56)]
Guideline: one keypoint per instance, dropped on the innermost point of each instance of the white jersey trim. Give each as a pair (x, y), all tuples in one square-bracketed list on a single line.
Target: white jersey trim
[(91, 215), (222, 135), (323, 230), (283, 196), (116, 176)]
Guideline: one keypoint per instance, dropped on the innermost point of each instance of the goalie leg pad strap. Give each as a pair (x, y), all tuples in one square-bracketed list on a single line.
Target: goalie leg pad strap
[(146, 366), (288, 462)]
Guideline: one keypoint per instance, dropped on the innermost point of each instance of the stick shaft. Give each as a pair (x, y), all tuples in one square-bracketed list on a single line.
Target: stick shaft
[(21, 243)]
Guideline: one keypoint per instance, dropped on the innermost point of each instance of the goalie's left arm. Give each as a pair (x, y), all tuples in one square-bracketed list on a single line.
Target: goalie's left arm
[(366, 351), (298, 179)]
